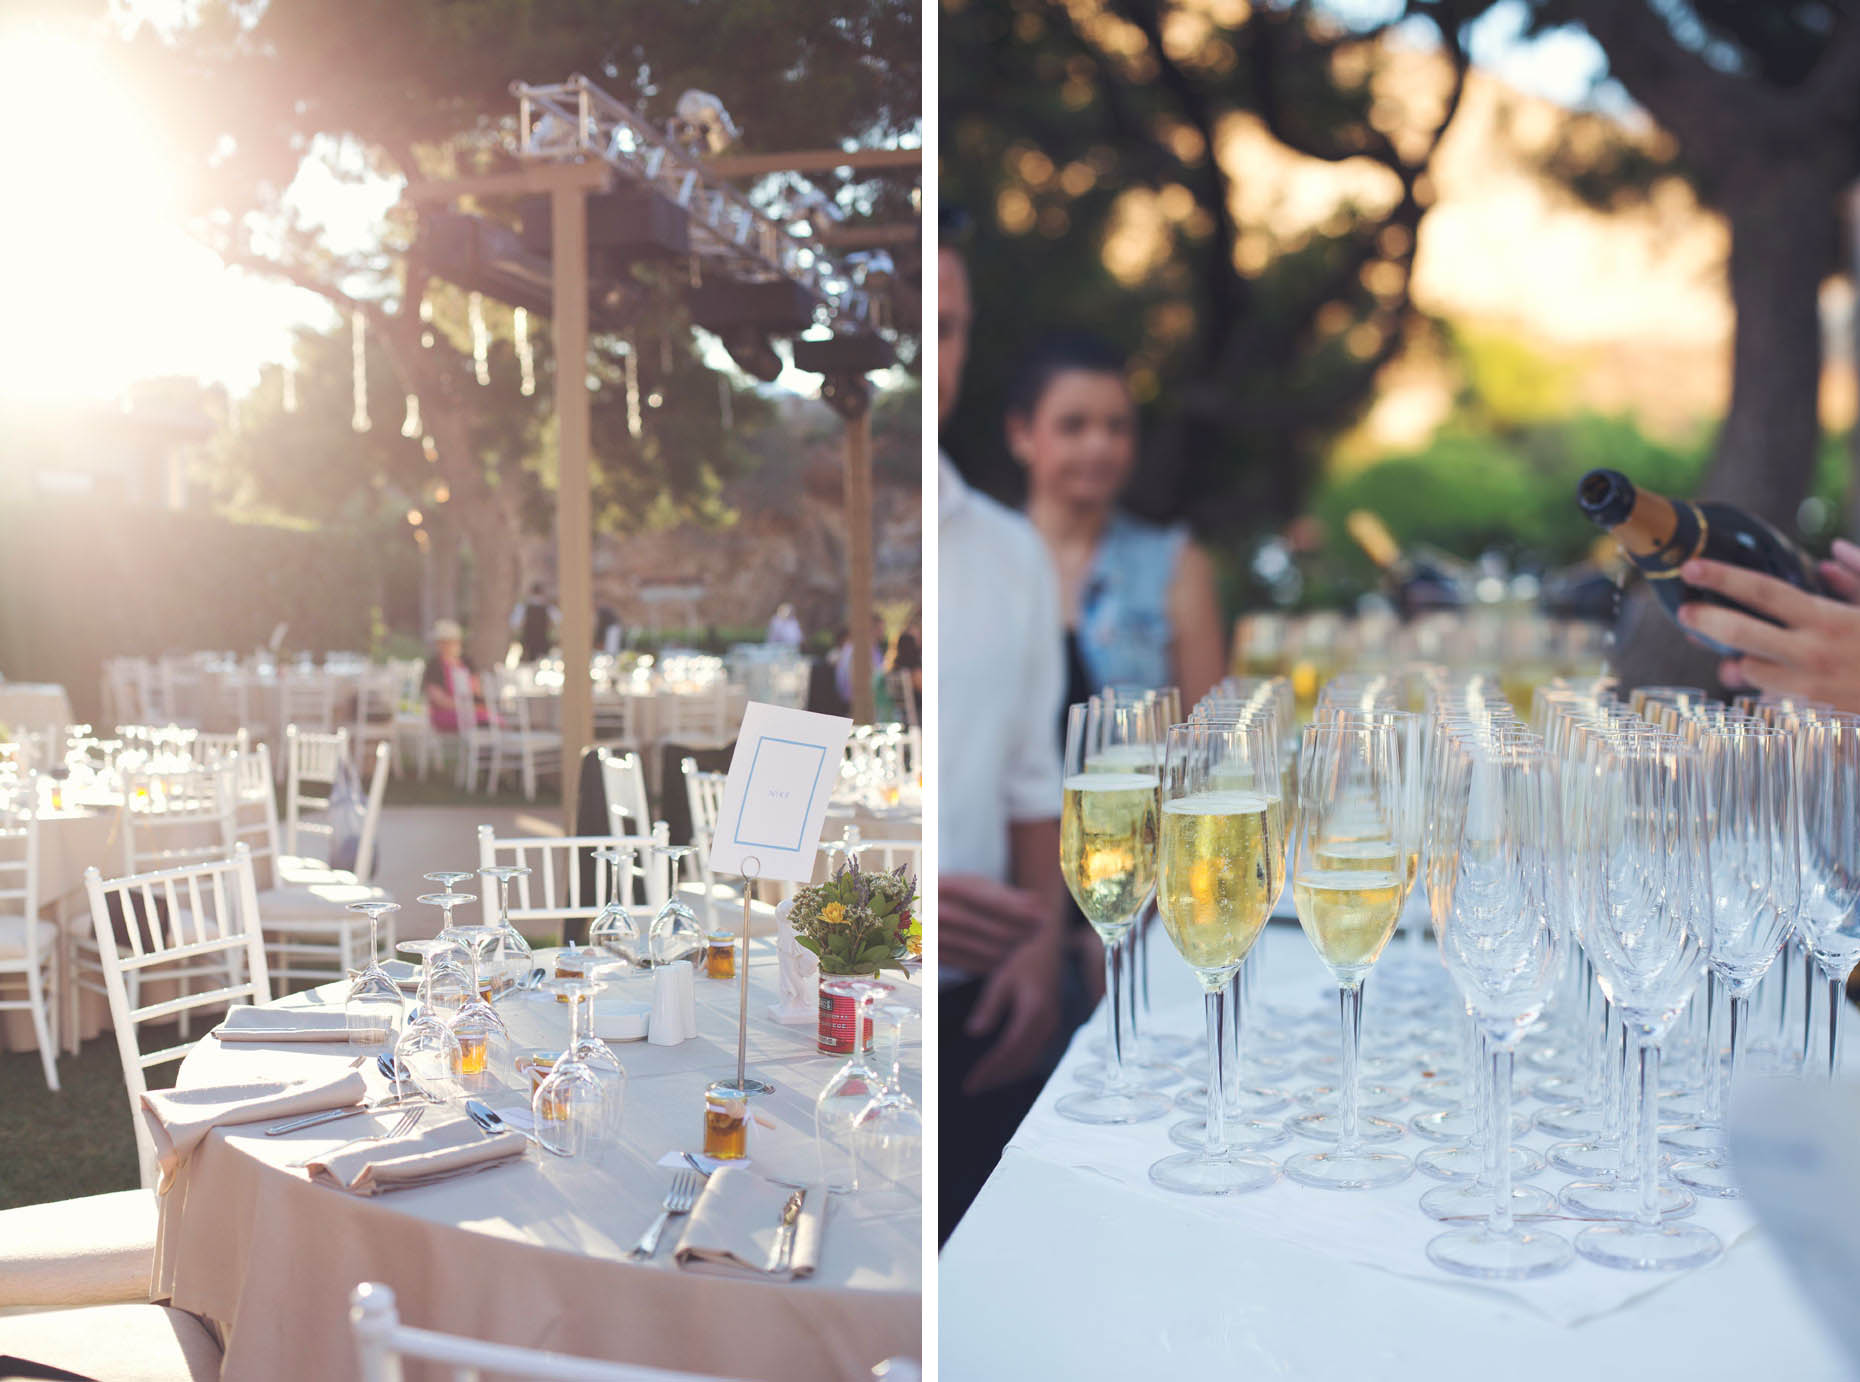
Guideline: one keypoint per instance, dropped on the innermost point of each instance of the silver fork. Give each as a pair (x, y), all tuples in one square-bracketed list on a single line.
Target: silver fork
[(404, 1125), (678, 1200)]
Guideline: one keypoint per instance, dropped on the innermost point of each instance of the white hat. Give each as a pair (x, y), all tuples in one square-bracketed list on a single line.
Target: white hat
[(447, 631)]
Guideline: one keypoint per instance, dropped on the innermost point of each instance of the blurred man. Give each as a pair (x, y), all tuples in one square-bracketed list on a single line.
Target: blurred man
[(1000, 681), (533, 622)]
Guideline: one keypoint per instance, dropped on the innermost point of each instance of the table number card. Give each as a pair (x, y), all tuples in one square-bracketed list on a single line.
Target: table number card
[(775, 802)]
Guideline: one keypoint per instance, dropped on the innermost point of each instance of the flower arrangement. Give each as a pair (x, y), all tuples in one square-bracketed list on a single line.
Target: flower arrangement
[(857, 922)]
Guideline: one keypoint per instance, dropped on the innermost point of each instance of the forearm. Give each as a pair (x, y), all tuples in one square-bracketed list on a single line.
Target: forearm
[(1034, 858)]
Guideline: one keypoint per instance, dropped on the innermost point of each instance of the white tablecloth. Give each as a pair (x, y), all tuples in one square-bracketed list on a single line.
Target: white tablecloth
[(533, 1253), (1298, 1282)]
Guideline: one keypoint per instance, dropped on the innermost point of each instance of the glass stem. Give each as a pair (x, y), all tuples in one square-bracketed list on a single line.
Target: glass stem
[(1614, 1037), (1350, 999), (1133, 945), (1479, 1073), (1217, 1073), (1140, 957), (1237, 994), (1648, 1215), (1469, 1067), (1114, 1015), (894, 1038), (1808, 1005), (1621, 1105), (1714, 1066), (1598, 1072), (1740, 1019), (1836, 997), (1499, 1158)]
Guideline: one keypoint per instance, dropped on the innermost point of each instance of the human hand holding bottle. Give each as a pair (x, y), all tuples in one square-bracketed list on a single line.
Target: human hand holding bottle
[(1813, 647)]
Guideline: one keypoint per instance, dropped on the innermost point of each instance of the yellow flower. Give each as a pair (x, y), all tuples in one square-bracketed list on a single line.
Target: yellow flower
[(834, 914)]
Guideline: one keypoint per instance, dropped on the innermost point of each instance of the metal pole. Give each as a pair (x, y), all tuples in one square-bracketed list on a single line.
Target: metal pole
[(573, 522), (859, 613)]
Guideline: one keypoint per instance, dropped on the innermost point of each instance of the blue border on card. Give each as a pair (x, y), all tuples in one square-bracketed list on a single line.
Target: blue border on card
[(736, 836)]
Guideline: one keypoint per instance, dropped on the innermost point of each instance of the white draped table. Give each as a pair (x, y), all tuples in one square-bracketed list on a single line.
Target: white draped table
[(534, 1252), (1071, 1265)]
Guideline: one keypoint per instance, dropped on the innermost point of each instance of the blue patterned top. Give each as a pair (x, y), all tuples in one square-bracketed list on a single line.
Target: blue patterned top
[(1124, 631)]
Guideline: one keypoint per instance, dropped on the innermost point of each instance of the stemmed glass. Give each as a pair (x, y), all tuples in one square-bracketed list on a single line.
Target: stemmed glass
[(481, 1032), (675, 933), (1107, 854), (888, 1134), (614, 931), (374, 1005), (1755, 894), (1349, 794), (427, 1059), (852, 1087), (1643, 849), (1830, 917), (1503, 945), (506, 954), (570, 1106), (1222, 864)]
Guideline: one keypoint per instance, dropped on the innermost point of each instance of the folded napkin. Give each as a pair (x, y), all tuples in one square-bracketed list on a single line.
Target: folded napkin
[(178, 1119), (737, 1219), (283, 1024), (447, 1143)]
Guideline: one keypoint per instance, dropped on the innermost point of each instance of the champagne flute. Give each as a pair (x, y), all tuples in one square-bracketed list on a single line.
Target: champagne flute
[(1349, 794), (1108, 831), (1830, 918), (1222, 865)]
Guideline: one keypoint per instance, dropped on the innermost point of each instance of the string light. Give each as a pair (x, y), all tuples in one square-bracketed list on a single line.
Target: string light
[(358, 353), (635, 425), (426, 318), (411, 427), (290, 388), (480, 338), (526, 353)]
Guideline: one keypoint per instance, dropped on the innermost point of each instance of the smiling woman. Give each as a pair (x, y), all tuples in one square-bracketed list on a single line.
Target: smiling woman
[(105, 286)]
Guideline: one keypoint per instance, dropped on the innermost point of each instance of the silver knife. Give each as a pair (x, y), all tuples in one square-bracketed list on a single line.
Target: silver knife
[(311, 1120), (783, 1251), (494, 1122)]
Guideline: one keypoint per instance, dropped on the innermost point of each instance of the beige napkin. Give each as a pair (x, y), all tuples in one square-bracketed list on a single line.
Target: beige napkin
[(179, 1118), (446, 1143), (284, 1024), (736, 1220)]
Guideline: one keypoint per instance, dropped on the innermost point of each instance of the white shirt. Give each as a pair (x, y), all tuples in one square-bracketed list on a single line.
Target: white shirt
[(785, 631), (1000, 675)]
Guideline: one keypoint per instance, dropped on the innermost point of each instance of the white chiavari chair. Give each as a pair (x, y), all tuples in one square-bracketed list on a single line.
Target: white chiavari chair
[(623, 779), (174, 922), (476, 744), (28, 942), (311, 761), (415, 740), (537, 752), (704, 796), (617, 721), (170, 819), (554, 892), (697, 719), (377, 706), (382, 1342), (306, 699)]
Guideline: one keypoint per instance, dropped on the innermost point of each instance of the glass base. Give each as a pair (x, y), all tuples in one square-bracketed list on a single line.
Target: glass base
[(1703, 1142), (1570, 1120), (1323, 1098), (1360, 1170), (1248, 1101), (1682, 1106), (1328, 1127), (1467, 1162), (1639, 1248), (1457, 1125), (1621, 1200), (1138, 1074), (1378, 1068), (1562, 1090), (1103, 1106), (1470, 1201), (1593, 1160), (1264, 1061), (1514, 1256), (1441, 1089), (1153, 1048), (1709, 1178), (1243, 1134), (1196, 1173)]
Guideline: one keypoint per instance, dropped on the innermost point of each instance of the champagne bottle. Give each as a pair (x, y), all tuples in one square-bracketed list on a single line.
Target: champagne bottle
[(1660, 535)]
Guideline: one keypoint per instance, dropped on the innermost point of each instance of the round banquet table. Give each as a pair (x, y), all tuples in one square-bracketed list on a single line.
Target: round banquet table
[(1129, 1280), (534, 1252)]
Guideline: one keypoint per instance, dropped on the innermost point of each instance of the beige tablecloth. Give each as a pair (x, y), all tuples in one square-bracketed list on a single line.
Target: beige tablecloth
[(533, 1253)]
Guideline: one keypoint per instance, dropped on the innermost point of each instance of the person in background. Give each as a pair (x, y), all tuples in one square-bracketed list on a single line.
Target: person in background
[(442, 710), (1001, 940), (784, 628), (842, 660), (907, 653), (1137, 599), (609, 632), (533, 622)]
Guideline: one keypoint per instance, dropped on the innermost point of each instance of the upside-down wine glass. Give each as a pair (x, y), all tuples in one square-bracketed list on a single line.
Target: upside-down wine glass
[(374, 1006)]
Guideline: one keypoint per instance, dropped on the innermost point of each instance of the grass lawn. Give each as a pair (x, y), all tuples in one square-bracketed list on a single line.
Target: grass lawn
[(75, 1142)]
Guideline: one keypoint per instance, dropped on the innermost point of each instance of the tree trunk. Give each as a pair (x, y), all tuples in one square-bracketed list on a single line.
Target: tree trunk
[(442, 595), (1781, 214), (490, 522)]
